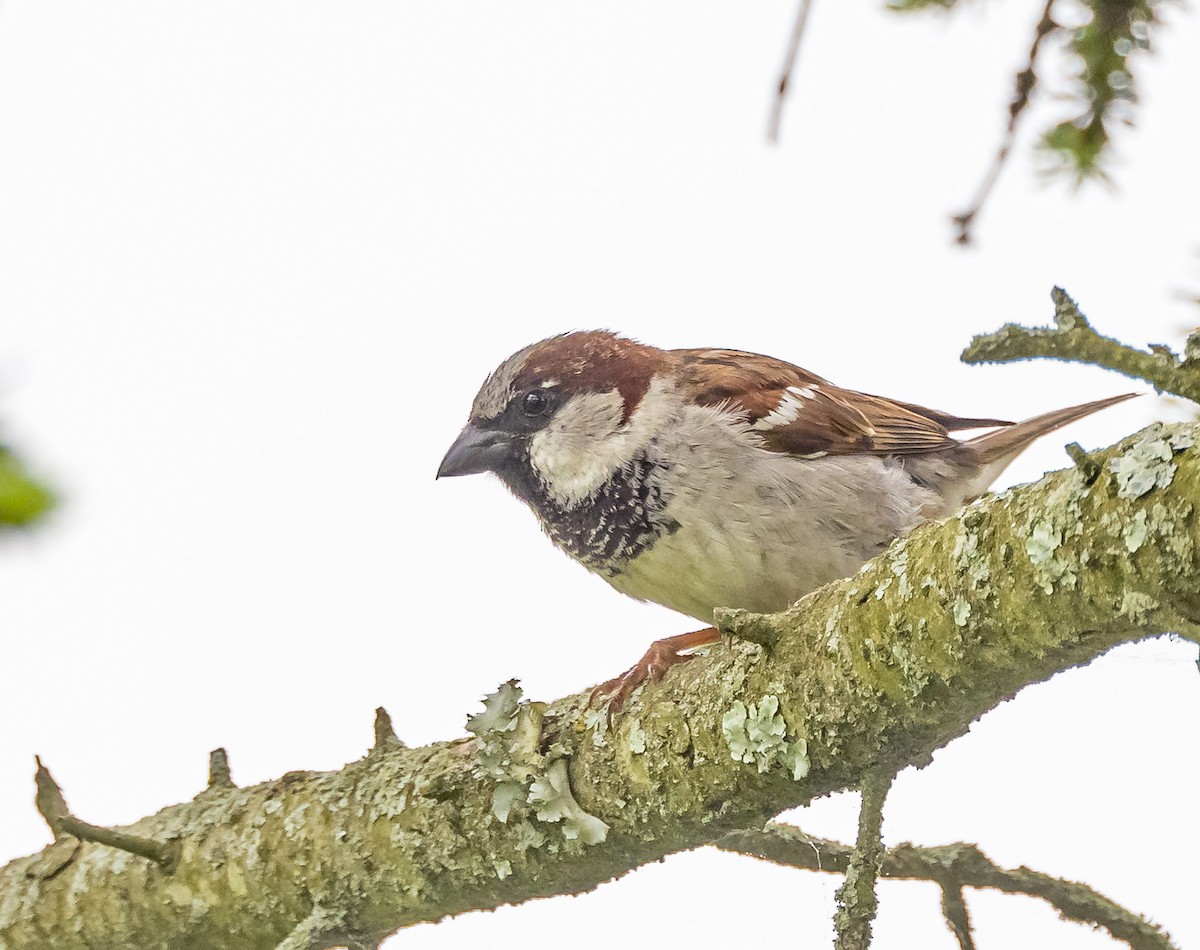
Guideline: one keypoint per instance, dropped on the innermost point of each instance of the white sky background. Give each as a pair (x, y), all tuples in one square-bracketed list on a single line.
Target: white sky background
[(255, 259)]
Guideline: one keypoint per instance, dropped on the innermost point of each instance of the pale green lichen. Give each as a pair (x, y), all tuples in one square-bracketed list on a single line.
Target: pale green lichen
[(962, 611), (596, 719), (529, 836), (758, 733), (504, 796), (554, 801), (1043, 541), (833, 640), (491, 728), (1148, 464), (899, 565), (1137, 606), (507, 732), (1135, 532), (499, 710), (1063, 519), (637, 737), (964, 555)]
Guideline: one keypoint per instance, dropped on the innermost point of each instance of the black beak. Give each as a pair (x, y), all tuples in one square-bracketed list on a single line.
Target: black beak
[(476, 450)]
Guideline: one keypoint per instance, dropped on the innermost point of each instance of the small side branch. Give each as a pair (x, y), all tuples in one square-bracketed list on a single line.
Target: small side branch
[(1073, 339), (954, 909), (744, 625), (53, 808), (856, 897), (218, 770), (785, 75), (385, 734), (1026, 82), (961, 865)]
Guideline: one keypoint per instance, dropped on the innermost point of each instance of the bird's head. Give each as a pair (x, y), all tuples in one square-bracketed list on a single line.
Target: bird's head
[(562, 415)]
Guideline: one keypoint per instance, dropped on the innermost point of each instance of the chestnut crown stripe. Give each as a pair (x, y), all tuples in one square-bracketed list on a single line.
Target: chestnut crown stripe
[(594, 361)]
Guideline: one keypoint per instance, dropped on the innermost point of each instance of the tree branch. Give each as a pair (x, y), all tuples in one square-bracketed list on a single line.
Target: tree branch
[(953, 867), (785, 74), (856, 898), (385, 735), (219, 776), (958, 918), (1026, 82), (53, 807), (1072, 339), (867, 675)]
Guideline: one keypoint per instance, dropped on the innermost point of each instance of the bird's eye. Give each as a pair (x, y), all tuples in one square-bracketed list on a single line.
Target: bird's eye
[(536, 402)]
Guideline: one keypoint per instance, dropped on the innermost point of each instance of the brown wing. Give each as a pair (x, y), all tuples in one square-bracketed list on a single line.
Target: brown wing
[(799, 413)]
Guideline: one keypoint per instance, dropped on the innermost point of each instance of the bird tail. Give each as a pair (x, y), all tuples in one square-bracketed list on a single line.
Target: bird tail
[(1003, 445)]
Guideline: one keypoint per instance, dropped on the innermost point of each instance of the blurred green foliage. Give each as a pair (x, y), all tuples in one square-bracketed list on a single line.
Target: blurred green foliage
[(22, 498), (1104, 81), (1101, 72)]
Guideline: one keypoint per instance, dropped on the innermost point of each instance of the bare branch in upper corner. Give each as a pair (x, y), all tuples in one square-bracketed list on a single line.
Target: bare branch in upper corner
[(1026, 82), (785, 75)]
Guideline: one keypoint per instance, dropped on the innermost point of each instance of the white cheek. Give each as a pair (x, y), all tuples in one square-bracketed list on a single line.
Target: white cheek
[(574, 454), (585, 442)]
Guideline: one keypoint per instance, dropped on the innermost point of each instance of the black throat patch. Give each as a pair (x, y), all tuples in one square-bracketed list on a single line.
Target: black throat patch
[(611, 527)]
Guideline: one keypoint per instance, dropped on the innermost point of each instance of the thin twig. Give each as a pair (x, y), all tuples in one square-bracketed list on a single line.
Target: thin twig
[(965, 865), (1026, 81), (954, 909), (1073, 339), (785, 75), (49, 799), (856, 897), (53, 808)]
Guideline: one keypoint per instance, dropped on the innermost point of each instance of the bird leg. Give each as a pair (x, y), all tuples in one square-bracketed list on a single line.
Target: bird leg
[(662, 655)]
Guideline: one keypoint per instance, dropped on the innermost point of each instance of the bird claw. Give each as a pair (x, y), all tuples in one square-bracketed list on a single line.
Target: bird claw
[(651, 668)]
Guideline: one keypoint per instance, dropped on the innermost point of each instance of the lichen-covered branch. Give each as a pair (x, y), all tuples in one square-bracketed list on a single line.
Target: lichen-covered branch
[(865, 676), (953, 866), (1072, 339), (856, 899)]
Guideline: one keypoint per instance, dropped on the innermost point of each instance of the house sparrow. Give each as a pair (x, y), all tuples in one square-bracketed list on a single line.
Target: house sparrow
[(705, 478)]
